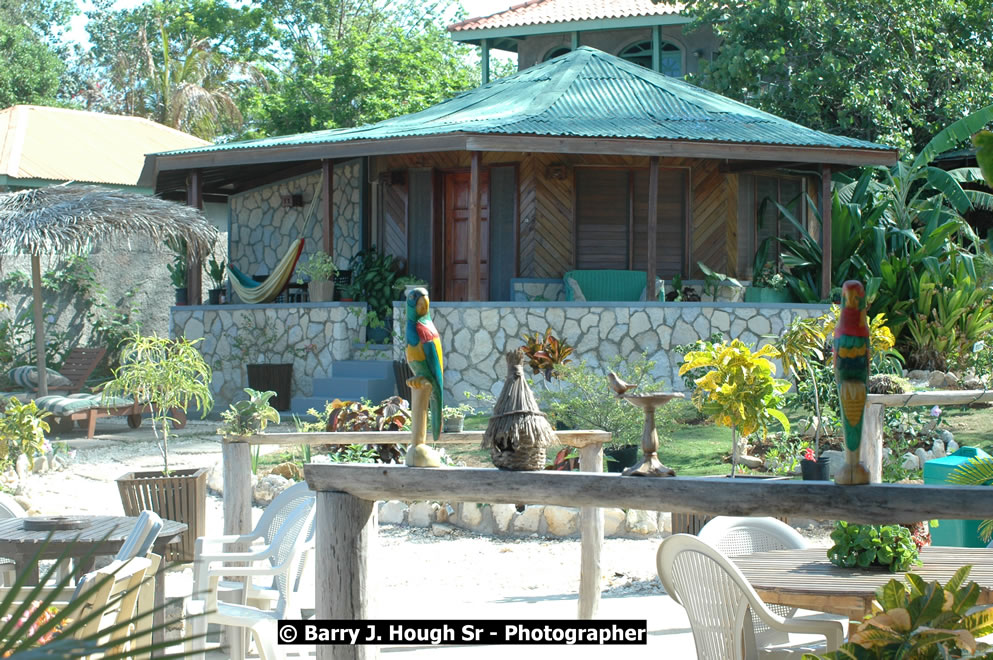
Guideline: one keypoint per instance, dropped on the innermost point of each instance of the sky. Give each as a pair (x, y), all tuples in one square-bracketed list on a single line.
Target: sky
[(77, 31)]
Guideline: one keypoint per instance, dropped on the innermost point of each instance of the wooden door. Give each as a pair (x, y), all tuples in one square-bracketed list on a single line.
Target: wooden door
[(457, 235)]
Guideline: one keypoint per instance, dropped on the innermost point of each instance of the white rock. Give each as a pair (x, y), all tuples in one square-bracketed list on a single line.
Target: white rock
[(562, 520), (665, 522), (269, 487), (527, 521), (938, 448), (23, 467), (502, 515), (470, 514), (392, 512), (422, 514), (39, 465), (215, 480), (951, 447), (910, 462), (749, 461), (642, 522), (613, 521), (936, 379), (951, 381), (918, 374), (921, 456), (441, 529), (972, 383), (946, 437)]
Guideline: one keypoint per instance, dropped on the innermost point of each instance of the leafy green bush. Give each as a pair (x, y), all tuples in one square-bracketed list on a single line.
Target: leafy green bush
[(22, 430), (249, 416), (921, 621), (866, 545), (582, 400)]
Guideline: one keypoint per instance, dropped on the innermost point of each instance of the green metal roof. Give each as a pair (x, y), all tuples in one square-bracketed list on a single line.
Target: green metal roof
[(585, 93)]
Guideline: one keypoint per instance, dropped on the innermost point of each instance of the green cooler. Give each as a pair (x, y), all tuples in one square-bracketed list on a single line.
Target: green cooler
[(960, 533)]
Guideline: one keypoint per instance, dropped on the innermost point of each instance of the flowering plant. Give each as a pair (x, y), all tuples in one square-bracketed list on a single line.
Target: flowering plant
[(808, 454), (35, 619)]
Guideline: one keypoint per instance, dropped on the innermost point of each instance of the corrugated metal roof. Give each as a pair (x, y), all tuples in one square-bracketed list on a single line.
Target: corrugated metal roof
[(539, 12), (584, 93), (58, 144)]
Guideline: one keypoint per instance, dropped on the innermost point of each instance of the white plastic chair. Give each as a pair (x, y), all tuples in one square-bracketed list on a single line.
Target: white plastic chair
[(9, 508), (211, 549), (139, 541), (720, 605), (285, 555)]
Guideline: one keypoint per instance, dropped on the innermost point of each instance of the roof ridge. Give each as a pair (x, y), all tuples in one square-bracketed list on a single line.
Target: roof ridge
[(520, 5)]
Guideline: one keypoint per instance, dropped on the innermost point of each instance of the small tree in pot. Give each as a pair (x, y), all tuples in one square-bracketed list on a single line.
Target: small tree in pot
[(168, 375), (321, 270)]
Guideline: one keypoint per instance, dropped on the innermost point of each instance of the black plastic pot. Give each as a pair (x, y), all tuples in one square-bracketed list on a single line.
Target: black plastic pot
[(181, 297), (624, 457), (275, 377), (819, 470), (214, 296)]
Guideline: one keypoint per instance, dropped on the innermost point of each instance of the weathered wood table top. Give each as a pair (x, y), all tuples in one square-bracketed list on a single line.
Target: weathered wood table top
[(806, 579)]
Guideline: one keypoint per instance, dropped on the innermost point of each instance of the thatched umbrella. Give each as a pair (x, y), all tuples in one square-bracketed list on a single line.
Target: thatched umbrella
[(69, 219)]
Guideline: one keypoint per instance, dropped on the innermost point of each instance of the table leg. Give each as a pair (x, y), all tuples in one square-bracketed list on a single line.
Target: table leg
[(591, 533), (346, 532)]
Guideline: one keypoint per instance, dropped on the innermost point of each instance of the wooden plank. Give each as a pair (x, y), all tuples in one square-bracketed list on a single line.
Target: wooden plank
[(934, 398), (194, 267), (474, 228), (873, 503), (653, 226), (872, 442), (591, 534), (567, 438), (826, 264), (39, 325), (327, 204), (346, 535)]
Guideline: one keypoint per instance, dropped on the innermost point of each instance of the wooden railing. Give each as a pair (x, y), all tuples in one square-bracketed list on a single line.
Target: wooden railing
[(346, 498), (875, 409)]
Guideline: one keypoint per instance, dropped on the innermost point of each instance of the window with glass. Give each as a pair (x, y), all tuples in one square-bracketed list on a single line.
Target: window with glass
[(671, 62), (769, 220)]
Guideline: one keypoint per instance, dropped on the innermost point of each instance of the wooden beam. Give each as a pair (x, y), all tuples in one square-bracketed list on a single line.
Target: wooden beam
[(194, 266), (327, 204), (874, 503), (272, 176), (934, 398), (653, 226), (474, 228), (39, 324), (826, 232), (745, 167), (567, 438), (591, 531), (484, 45)]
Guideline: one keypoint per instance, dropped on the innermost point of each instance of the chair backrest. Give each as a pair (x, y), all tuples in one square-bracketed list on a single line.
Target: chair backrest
[(146, 529), (734, 536), (714, 594), (280, 508), (111, 591), (79, 364), (294, 538), (9, 508)]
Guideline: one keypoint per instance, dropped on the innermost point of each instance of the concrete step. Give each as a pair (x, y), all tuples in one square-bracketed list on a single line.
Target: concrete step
[(299, 405), (362, 369), (374, 389)]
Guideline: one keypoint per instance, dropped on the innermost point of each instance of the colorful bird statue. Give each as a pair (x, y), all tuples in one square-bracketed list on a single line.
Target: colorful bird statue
[(427, 385), (851, 372)]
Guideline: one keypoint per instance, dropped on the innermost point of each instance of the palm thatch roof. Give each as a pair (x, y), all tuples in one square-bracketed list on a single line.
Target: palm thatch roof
[(68, 219)]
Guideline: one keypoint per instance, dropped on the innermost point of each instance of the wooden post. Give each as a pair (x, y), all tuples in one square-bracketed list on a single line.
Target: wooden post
[(475, 220), (484, 45), (591, 538), (826, 231), (194, 266), (346, 534), (327, 204), (872, 441), (39, 324), (653, 226), (236, 470)]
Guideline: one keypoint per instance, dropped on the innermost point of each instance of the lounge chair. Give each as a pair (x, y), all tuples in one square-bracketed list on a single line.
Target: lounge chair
[(86, 409), (71, 378)]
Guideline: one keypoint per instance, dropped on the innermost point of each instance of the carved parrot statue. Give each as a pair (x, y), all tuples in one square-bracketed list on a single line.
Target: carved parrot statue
[(425, 359), (983, 141), (851, 372)]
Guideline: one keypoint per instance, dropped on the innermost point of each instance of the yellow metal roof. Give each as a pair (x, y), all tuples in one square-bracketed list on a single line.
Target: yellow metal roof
[(57, 144)]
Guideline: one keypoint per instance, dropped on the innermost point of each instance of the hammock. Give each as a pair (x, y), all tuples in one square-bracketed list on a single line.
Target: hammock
[(251, 291)]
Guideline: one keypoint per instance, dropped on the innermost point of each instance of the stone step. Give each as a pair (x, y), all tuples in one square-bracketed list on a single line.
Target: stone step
[(353, 388), (299, 405), (362, 369)]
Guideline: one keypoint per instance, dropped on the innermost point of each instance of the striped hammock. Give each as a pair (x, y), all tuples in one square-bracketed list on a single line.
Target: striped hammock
[(250, 291)]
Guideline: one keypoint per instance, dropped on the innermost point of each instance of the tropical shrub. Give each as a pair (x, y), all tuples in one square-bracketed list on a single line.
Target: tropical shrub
[(249, 416), (921, 621), (864, 545), (22, 430), (583, 400), (392, 414), (546, 353), (977, 471)]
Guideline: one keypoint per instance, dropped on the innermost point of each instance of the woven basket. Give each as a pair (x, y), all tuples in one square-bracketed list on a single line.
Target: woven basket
[(518, 432)]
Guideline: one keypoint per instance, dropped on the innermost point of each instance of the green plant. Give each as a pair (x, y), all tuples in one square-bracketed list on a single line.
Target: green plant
[(216, 271), (256, 452), (454, 412), (713, 281), (401, 283), (864, 545), (319, 268), (922, 621), (177, 269), (249, 416), (375, 273), (545, 353), (689, 378), (800, 344), (739, 389), (584, 400), (392, 414), (355, 454), (351, 290), (165, 373), (783, 457), (22, 430), (256, 341)]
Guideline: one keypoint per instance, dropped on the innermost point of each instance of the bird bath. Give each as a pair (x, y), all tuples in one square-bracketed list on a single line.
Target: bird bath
[(650, 465)]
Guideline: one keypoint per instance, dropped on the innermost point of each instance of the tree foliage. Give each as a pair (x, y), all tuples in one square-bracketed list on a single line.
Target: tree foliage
[(29, 68), (893, 71)]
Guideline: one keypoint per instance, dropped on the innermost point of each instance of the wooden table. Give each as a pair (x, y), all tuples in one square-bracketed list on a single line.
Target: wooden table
[(103, 536), (806, 579)]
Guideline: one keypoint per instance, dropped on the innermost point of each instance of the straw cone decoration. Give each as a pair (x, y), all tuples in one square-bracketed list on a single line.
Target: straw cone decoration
[(518, 431)]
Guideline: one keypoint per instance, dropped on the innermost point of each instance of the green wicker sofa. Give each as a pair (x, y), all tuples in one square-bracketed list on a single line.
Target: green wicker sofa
[(607, 285)]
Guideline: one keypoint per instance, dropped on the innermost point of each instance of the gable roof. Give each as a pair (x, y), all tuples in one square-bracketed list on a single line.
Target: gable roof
[(40, 144), (550, 12), (583, 94)]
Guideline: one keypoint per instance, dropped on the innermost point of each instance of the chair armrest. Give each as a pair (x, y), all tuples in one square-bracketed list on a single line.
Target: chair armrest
[(263, 553), (226, 538), (833, 631)]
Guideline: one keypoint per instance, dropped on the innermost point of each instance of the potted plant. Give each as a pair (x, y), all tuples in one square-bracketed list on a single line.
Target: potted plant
[(375, 274), (713, 283), (814, 468), (249, 416), (177, 270), (738, 389), (768, 284), (404, 284), (167, 375), (216, 271), (453, 417), (321, 270), (349, 292)]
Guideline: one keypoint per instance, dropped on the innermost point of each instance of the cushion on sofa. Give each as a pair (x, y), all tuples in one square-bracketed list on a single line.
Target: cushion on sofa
[(27, 377)]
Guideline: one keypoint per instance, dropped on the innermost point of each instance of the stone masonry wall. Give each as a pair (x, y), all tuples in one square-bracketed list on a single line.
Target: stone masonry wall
[(475, 335), (262, 230), (319, 332)]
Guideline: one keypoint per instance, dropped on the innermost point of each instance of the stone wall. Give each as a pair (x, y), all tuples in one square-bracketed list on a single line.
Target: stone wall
[(262, 229), (475, 335), (310, 335)]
